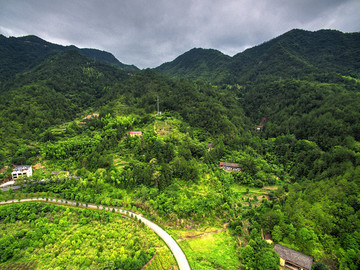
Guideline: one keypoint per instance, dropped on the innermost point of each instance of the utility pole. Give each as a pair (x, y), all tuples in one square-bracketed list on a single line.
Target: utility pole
[(158, 107)]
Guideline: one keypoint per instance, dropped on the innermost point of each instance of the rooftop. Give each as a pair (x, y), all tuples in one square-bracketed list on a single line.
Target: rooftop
[(294, 256), (228, 164), (22, 168)]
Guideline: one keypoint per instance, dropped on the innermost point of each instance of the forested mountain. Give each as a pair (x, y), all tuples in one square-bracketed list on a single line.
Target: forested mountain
[(197, 64), (297, 54), (300, 171), (54, 91), (21, 54), (66, 84)]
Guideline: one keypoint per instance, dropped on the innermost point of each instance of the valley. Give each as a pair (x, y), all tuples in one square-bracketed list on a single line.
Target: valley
[(202, 170)]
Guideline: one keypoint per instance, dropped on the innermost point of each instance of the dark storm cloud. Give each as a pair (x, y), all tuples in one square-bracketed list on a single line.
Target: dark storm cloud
[(149, 32)]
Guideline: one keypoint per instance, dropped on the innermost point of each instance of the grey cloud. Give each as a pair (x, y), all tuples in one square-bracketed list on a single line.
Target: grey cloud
[(147, 33)]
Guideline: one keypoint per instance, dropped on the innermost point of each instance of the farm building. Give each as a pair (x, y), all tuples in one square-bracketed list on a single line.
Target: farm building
[(23, 170), (293, 259), (227, 166)]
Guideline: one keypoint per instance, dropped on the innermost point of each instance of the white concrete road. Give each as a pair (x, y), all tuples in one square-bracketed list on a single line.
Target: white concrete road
[(170, 242)]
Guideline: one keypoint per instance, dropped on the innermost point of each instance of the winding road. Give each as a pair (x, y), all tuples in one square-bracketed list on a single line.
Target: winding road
[(170, 242)]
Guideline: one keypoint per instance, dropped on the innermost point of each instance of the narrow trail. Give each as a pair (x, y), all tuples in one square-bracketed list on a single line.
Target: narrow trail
[(170, 242), (149, 262)]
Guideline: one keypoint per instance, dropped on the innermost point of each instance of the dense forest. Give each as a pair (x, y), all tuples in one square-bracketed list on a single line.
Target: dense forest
[(299, 177)]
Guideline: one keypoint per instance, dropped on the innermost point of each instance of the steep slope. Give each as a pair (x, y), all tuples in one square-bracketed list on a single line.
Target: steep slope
[(21, 54), (204, 64)]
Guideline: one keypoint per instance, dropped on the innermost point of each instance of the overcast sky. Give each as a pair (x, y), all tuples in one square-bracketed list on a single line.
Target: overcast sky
[(147, 33)]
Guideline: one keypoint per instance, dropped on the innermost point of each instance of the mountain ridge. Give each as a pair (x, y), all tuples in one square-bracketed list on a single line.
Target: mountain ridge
[(19, 54), (296, 53)]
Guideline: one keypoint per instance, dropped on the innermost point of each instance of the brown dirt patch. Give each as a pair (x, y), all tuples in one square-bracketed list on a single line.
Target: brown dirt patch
[(3, 169), (203, 234), (267, 188), (38, 166), (260, 198)]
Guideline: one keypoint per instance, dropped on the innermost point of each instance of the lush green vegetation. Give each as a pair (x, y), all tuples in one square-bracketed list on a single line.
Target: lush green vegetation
[(18, 55), (295, 54), (211, 251), (197, 64), (53, 236), (299, 176)]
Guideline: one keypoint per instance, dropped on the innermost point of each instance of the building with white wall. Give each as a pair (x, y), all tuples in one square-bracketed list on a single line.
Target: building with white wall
[(23, 170)]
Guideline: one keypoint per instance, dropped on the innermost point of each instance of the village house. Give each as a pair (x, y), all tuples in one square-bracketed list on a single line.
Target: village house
[(91, 116), (293, 259), (134, 133), (260, 128), (227, 166), (23, 170)]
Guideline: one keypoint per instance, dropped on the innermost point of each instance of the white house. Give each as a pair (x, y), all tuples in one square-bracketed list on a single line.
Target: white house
[(23, 170)]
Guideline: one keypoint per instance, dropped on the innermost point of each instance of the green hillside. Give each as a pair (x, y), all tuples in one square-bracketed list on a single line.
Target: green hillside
[(21, 54), (52, 93), (299, 54), (296, 54), (299, 176), (197, 64)]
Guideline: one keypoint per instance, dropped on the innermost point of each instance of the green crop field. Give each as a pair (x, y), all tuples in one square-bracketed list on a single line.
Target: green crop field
[(211, 251), (44, 236)]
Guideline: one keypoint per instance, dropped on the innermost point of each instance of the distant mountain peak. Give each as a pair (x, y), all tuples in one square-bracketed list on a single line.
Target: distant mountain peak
[(197, 63), (19, 54)]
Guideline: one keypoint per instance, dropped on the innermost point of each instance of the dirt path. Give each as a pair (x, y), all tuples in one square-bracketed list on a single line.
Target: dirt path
[(151, 260)]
